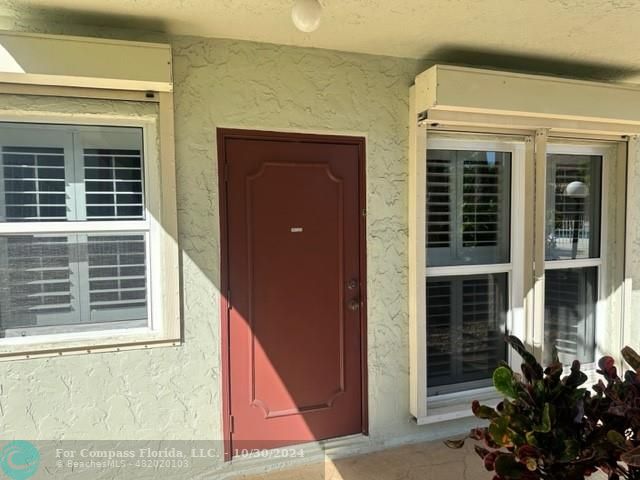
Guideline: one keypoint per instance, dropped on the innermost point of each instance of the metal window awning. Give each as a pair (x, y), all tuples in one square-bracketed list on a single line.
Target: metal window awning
[(66, 61), (454, 95)]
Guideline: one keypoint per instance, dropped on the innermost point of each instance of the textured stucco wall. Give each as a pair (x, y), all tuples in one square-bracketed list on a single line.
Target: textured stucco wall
[(139, 394), (222, 83), (175, 393)]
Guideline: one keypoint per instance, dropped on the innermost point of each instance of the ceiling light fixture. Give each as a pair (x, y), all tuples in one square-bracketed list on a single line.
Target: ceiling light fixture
[(306, 15), (577, 189)]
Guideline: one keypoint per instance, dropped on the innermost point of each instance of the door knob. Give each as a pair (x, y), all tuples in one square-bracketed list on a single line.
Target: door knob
[(354, 305)]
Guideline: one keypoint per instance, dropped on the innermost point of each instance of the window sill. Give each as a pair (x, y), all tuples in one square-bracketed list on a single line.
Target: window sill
[(54, 345), (453, 406), (457, 405)]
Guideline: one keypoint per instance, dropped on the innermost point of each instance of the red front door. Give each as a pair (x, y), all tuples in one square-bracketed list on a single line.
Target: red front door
[(294, 273)]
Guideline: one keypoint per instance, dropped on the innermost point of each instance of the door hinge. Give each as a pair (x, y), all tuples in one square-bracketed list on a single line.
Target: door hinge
[(364, 212), (228, 300), (226, 172), (231, 424)]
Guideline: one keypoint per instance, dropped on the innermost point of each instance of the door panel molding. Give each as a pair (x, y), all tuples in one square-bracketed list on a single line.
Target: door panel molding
[(324, 173)]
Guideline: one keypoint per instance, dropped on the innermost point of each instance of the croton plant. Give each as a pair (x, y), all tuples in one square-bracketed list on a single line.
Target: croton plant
[(552, 427)]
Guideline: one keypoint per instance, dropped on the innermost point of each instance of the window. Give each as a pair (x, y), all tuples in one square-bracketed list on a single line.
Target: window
[(469, 199), (573, 206), (571, 295), (78, 239), (466, 320), (572, 251), (521, 220), (468, 207), (474, 217)]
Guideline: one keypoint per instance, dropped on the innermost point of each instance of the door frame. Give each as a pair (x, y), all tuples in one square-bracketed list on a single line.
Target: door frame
[(222, 135)]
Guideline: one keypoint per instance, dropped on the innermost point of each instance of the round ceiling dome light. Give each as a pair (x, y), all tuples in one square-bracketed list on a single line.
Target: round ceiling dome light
[(306, 15), (577, 189)]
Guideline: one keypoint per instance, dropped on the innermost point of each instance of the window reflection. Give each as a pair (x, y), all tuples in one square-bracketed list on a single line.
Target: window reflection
[(573, 206)]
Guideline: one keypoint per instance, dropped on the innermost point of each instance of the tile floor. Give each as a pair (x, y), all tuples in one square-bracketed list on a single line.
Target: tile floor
[(420, 461)]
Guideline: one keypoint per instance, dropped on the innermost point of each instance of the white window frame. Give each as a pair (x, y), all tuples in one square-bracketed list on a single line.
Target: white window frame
[(608, 153), (160, 223), (550, 110), (449, 405), (525, 320), (526, 311)]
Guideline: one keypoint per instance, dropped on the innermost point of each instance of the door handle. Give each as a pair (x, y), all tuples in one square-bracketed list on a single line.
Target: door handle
[(354, 305)]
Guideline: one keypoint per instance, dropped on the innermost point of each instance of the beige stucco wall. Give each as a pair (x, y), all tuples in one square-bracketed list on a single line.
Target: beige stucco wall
[(222, 83), (175, 393)]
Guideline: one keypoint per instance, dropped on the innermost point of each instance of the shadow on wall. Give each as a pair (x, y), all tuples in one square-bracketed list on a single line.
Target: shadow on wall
[(55, 20), (531, 64)]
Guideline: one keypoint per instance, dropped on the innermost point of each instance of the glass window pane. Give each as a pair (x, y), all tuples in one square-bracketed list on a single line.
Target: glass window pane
[(468, 207), (70, 172), (570, 313), (466, 318), (117, 277), (573, 206), (33, 183), (72, 282), (39, 284), (108, 172)]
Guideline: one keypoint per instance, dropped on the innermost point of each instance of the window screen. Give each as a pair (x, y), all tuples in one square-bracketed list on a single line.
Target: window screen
[(74, 280), (117, 267), (38, 281)]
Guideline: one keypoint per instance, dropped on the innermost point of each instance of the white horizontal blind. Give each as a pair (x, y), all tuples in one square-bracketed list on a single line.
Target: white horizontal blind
[(73, 278), (117, 268), (467, 207), (441, 324), (39, 281), (39, 277), (484, 309), (440, 201), (482, 199), (34, 183), (466, 318), (468, 243), (113, 184)]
